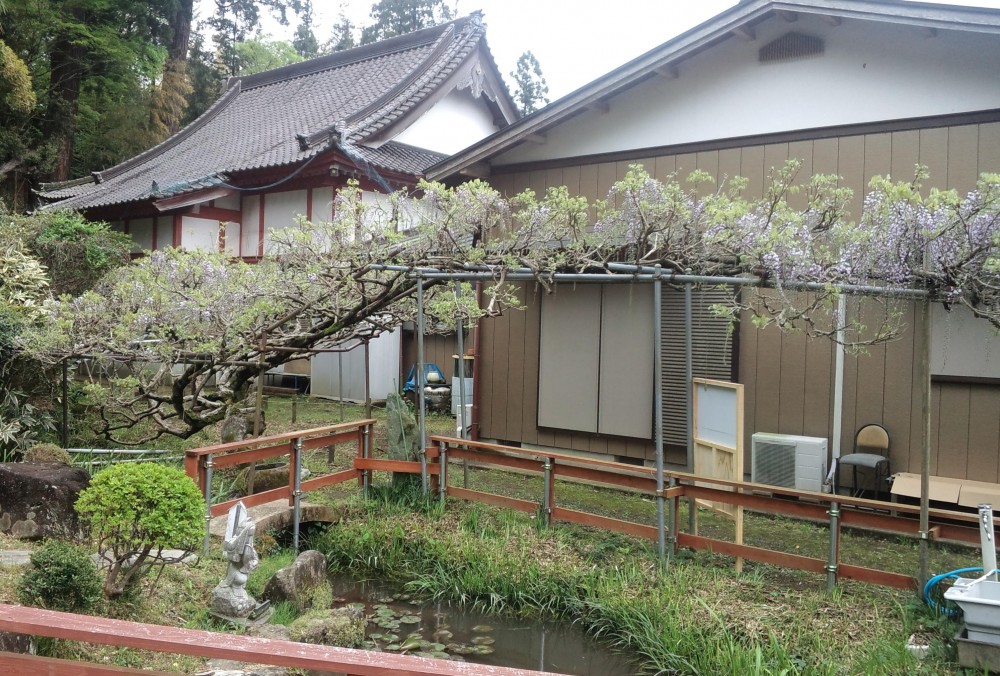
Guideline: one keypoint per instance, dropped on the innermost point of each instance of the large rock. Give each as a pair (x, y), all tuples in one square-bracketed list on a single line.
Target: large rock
[(36, 499), (297, 582), (339, 627)]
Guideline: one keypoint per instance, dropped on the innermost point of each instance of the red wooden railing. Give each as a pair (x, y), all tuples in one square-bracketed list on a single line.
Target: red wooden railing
[(209, 644), (199, 462), (864, 514)]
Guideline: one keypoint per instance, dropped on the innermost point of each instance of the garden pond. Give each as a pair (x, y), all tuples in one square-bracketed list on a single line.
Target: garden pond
[(405, 624)]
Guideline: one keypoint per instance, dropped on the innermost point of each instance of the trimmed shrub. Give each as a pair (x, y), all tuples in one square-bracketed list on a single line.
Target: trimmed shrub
[(47, 453), (135, 511), (61, 577)]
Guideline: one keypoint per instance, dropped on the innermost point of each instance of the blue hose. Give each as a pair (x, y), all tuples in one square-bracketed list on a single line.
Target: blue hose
[(944, 576)]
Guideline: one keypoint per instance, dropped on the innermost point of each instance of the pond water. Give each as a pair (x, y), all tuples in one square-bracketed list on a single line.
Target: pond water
[(403, 624)]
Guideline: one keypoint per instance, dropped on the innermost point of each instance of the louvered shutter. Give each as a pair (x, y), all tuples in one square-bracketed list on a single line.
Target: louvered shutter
[(711, 354)]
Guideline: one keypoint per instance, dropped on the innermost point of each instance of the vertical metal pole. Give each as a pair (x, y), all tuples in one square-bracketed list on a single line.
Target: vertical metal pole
[(986, 541), (340, 383), (419, 383), (208, 504), (461, 384), (368, 380), (661, 520), (366, 475), (688, 402), (925, 465), (443, 473), (65, 402), (833, 560), (546, 492), (459, 330), (838, 390), (297, 494)]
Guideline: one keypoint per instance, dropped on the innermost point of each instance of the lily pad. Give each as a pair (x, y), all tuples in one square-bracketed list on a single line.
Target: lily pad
[(441, 655), (410, 644), (482, 629), (394, 647), (442, 634), (484, 640), (484, 650), (410, 619)]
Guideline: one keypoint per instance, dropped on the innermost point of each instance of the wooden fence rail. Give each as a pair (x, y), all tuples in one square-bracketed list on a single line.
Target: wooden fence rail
[(199, 462), (874, 515), (173, 640)]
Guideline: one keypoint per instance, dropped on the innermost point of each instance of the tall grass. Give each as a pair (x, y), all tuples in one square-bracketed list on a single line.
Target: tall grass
[(689, 619)]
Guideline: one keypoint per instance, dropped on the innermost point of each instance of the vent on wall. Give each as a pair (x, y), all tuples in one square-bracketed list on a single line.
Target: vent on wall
[(790, 46)]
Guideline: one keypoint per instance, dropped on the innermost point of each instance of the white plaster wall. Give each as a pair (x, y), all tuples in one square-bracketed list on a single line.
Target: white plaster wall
[(453, 123), (233, 234), (250, 235), (281, 209), (228, 202), (164, 232), (384, 363), (199, 233), (322, 204), (141, 230), (869, 72)]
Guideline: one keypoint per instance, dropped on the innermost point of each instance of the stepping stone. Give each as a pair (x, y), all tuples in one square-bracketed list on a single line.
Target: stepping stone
[(16, 557)]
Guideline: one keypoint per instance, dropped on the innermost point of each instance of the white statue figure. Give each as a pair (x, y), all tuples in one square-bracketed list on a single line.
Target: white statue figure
[(230, 598)]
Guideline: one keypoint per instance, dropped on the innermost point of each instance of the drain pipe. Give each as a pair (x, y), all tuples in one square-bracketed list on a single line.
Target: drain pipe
[(477, 346), (661, 523), (986, 541)]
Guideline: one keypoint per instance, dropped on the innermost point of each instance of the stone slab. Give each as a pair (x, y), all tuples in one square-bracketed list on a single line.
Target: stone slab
[(16, 557)]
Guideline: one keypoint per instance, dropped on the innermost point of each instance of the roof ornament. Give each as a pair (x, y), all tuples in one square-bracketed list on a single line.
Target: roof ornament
[(474, 80)]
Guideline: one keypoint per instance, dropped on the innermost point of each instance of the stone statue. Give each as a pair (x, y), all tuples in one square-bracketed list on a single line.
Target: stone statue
[(230, 600)]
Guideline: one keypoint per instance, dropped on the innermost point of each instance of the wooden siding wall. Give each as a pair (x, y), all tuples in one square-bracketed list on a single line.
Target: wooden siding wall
[(794, 393)]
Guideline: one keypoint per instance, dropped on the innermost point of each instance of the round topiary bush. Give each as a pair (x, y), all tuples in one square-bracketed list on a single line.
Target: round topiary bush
[(136, 511), (47, 453), (61, 577)]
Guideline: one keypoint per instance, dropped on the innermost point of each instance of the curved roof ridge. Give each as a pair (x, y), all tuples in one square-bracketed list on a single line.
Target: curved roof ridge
[(228, 97), (349, 56), (439, 64)]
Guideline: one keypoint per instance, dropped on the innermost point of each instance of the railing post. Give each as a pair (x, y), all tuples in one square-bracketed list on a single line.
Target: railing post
[(365, 454), (296, 491), (443, 471), (547, 492), (832, 561), (207, 464), (674, 520)]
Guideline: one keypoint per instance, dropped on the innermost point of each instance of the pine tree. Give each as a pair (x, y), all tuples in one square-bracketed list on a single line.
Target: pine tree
[(304, 41), (531, 91), (343, 35), (398, 17)]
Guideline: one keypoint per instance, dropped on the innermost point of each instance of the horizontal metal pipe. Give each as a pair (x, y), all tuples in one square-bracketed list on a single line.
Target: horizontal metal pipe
[(693, 279)]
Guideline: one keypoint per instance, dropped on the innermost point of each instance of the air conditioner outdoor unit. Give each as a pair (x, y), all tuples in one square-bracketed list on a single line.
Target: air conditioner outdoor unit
[(788, 461)]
